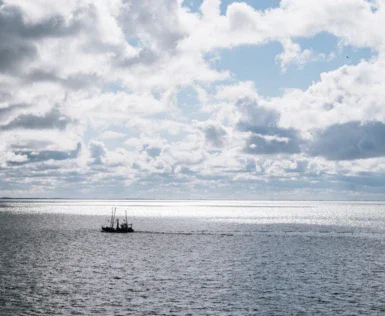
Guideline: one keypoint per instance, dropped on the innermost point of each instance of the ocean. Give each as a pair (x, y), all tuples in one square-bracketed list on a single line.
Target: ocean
[(192, 258)]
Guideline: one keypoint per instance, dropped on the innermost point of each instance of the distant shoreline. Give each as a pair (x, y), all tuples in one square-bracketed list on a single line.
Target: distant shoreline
[(152, 199)]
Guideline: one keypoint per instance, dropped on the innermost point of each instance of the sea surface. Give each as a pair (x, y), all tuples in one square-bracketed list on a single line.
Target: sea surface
[(192, 258)]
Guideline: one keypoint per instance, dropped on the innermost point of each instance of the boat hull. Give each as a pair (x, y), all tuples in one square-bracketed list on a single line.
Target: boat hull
[(106, 229)]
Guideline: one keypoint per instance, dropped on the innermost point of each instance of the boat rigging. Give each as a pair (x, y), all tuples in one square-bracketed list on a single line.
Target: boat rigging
[(122, 228)]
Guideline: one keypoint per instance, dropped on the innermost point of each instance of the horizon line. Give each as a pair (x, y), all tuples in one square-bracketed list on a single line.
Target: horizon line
[(191, 199)]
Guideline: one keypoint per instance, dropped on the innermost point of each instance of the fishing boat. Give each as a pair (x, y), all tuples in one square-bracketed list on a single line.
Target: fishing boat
[(122, 228)]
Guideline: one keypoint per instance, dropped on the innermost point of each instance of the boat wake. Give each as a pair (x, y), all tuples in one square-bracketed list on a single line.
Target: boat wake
[(184, 233)]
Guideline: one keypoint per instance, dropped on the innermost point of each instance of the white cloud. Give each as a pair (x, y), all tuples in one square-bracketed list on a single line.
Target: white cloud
[(353, 21), (106, 108), (76, 72), (153, 125), (111, 135), (240, 90), (351, 93), (293, 54)]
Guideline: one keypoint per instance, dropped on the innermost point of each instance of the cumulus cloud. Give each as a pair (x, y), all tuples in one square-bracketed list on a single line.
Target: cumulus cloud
[(50, 120), (260, 144), (350, 93), (23, 157), (97, 152), (349, 141), (354, 21), (111, 135), (262, 133), (214, 133), (111, 74), (293, 54), (21, 34)]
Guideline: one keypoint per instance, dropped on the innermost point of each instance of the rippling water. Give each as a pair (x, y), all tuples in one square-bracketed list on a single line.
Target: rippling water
[(192, 258)]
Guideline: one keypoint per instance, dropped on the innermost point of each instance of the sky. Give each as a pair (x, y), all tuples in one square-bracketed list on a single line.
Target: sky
[(172, 99)]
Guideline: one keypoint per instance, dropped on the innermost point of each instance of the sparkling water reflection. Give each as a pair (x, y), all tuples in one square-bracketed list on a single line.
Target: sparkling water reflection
[(192, 258)]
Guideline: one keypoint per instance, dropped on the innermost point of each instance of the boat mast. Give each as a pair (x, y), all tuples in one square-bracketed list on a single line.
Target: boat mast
[(112, 218)]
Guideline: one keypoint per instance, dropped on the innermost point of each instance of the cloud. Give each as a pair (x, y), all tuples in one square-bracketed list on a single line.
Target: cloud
[(354, 21), (11, 157), (293, 54), (73, 81), (349, 141), (51, 120), (106, 108), (153, 151), (113, 74), (155, 125), (214, 133), (6, 112), (259, 144), (26, 157), (18, 37), (263, 135), (144, 141), (156, 21), (97, 152), (111, 135), (350, 93)]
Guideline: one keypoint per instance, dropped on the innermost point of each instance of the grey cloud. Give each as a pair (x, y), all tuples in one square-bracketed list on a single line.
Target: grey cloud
[(13, 56), (97, 152), (5, 94), (30, 145), (17, 37), (76, 81), (250, 165), (146, 56), (136, 166), (265, 137), (302, 167), (350, 141), (364, 179), (258, 145), (186, 171), (214, 134), (255, 115), (51, 120), (153, 151), (44, 155), (6, 112), (54, 26), (157, 19), (13, 49)]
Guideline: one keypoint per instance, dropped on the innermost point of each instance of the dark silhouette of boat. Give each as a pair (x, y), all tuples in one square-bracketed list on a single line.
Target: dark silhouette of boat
[(123, 228)]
